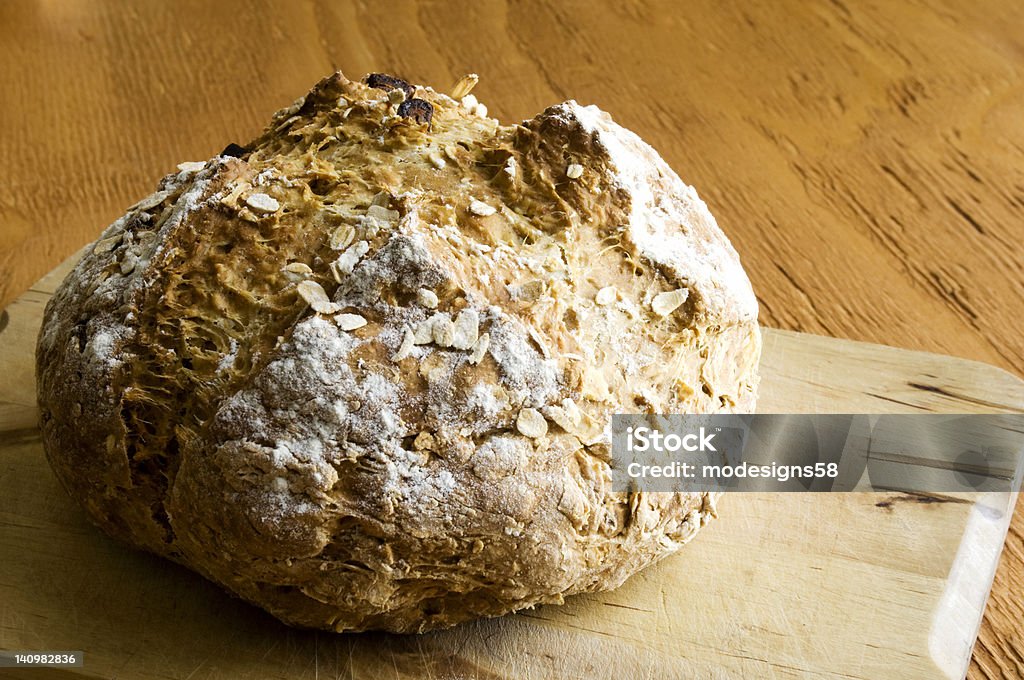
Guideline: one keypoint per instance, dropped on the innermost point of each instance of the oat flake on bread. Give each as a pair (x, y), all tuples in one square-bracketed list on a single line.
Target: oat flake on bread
[(361, 374)]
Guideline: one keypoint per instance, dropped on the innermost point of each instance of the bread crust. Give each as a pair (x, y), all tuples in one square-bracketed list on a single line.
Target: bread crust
[(360, 376)]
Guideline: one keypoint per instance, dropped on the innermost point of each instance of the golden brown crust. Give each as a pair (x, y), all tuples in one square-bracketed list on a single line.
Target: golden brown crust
[(360, 375)]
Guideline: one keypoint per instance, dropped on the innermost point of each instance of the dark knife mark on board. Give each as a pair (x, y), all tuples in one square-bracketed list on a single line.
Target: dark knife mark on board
[(942, 391), (626, 606), (897, 401), (920, 499), (5, 318)]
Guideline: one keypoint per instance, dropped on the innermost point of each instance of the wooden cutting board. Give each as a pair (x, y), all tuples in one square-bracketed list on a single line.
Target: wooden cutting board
[(781, 586)]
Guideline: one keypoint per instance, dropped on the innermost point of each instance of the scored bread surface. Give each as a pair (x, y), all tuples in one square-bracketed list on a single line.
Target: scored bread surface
[(362, 375)]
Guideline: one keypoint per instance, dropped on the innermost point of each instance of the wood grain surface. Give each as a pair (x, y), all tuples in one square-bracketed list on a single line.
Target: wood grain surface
[(867, 159)]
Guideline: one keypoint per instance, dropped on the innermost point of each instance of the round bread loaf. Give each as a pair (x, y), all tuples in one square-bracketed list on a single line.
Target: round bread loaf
[(360, 372)]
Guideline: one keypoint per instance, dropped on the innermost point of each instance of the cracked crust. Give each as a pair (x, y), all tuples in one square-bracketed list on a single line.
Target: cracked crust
[(360, 375)]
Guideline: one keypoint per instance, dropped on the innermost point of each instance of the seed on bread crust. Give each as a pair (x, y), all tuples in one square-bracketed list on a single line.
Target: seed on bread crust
[(442, 330), (349, 322), (466, 329), (480, 348), (348, 260), (315, 295), (464, 85), (342, 237), (107, 244), (667, 302), (481, 209), (382, 81), (298, 268), (151, 201), (262, 203), (296, 271), (531, 423), (419, 110), (234, 150)]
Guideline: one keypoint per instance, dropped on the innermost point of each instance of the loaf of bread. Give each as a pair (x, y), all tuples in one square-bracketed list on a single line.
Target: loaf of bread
[(360, 372)]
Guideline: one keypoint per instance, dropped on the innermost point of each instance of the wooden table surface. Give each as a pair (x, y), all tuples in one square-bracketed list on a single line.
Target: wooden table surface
[(866, 159)]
